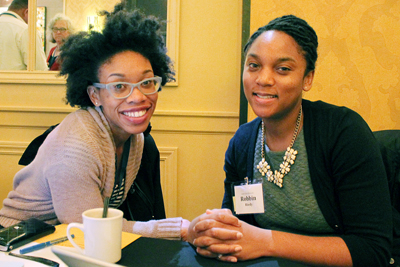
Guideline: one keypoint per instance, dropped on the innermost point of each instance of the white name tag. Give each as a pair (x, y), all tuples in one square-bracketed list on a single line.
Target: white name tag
[(249, 199)]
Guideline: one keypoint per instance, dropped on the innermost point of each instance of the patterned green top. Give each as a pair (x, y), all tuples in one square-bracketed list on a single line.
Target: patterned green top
[(292, 208)]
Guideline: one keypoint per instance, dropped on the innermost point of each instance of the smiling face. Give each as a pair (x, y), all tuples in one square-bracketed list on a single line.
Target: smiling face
[(132, 114), (273, 75)]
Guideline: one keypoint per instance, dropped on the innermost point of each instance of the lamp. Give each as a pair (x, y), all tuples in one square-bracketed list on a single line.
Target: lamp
[(93, 23)]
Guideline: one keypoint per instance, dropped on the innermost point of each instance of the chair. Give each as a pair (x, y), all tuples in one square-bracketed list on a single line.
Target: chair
[(389, 143), (32, 149)]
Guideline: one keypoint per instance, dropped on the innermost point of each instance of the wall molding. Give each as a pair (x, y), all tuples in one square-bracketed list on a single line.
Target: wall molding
[(163, 113), (172, 42), (169, 179), (24, 109), (12, 148), (31, 77), (163, 121)]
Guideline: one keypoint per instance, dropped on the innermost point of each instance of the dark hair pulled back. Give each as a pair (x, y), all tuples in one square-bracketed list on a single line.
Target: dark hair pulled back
[(299, 30)]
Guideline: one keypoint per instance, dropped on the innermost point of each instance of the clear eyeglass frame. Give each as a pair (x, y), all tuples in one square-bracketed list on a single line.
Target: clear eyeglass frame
[(157, 86)]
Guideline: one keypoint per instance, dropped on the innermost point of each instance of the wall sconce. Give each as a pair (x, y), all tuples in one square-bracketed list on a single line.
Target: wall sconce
[(93, 23)]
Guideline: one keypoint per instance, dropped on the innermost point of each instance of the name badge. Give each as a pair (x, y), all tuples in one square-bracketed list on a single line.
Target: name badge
[(249, 199)]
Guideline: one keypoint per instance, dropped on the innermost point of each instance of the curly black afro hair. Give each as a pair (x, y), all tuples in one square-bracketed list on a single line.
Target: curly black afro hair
[(84, 53)]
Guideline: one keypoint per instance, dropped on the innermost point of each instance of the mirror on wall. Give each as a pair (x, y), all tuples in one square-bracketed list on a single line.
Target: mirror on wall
[(46, 9), (84, 17), (156, 8)]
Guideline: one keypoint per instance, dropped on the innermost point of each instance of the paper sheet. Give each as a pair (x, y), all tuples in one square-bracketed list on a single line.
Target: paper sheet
[(61, 231)]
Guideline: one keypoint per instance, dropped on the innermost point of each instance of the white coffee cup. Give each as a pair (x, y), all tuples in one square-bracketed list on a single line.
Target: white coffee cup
[(102, 235)]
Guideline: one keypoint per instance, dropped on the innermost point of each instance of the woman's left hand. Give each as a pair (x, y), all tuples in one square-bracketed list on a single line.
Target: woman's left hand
[(253, 242), (211, 220)]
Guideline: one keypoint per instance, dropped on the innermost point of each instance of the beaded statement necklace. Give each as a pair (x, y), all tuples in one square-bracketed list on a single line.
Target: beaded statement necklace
[(264, 168)]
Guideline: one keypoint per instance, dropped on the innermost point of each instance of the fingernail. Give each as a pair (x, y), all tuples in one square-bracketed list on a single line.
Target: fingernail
[(238, 248), (239, 235), (233, 260)]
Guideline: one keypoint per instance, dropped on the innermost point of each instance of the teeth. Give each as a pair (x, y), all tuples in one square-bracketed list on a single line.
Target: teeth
[(135, 114), (266, 96)]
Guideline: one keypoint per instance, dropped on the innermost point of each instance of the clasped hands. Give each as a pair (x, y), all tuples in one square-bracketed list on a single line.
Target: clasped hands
[(219, 234)]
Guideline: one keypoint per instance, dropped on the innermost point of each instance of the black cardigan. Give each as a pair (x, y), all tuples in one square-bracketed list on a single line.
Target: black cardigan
[(347, 174), (145, 200)]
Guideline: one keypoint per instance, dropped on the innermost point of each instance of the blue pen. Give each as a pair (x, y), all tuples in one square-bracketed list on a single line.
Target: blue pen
[(43, 245)]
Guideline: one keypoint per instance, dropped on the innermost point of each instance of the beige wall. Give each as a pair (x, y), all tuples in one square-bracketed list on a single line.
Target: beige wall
[(359, 58), (193, 123)]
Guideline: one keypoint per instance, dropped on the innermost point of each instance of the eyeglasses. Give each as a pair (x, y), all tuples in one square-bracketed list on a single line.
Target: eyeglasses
[(59, 29), (121, 90)]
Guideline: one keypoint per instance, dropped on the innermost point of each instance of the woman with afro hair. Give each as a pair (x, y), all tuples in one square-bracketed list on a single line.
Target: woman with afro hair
[(103, 149)]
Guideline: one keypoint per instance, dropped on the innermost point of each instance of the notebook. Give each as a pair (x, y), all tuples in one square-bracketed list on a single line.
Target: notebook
[(76, 259)]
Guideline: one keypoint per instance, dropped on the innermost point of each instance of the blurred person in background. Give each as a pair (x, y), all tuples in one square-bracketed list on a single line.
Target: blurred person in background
[(59, 29), (14, 39)]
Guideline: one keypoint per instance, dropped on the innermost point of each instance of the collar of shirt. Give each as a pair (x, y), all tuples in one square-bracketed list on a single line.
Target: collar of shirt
[(12, 14)]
